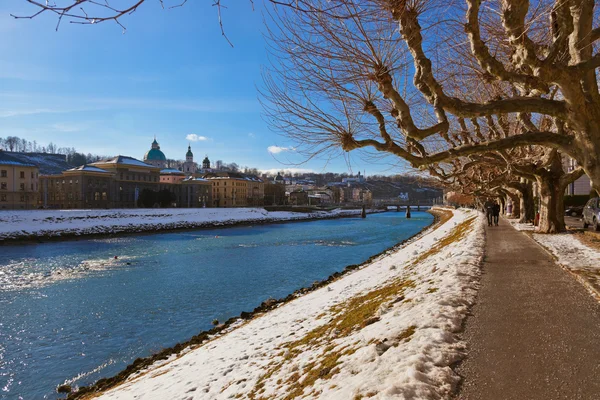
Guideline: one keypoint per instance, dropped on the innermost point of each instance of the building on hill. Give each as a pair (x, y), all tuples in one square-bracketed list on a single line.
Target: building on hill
[(354, 179), (155, 156), (18, 183)]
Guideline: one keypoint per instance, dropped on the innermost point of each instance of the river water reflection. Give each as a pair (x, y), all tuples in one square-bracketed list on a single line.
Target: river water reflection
[(70, 312)]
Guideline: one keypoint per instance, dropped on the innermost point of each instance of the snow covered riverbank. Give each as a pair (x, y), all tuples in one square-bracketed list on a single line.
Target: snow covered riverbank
[(572, 253), (387, 330), (36, 224)]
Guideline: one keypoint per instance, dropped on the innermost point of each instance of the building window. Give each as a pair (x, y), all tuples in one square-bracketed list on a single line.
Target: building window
[(32, 187), (104, 196), (3, 173), (2, 197), (31, 174), (3, 185), (22, 198), (97, 196), (22, 174), (22, 186)]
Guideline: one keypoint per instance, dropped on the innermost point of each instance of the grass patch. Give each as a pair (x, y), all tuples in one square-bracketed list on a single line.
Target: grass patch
[(348, 317), (589, 238), (457, 234)]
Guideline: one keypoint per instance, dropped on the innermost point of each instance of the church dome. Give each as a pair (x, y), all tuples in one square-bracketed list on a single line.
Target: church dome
[(189, 152), (155, 155)]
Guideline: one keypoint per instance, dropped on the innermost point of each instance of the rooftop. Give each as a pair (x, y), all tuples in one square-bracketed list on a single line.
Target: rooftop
[(126, 160), (48, 164), (89, 168), (6, 159)]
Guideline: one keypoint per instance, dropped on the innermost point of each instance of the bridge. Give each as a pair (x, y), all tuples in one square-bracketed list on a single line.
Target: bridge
[(398, 203)]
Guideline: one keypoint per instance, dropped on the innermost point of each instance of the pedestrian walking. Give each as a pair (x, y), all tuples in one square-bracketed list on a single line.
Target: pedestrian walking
[(488, 208), (496, 212)]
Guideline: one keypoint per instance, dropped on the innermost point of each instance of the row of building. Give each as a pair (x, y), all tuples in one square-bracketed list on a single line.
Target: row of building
[(39, 180)]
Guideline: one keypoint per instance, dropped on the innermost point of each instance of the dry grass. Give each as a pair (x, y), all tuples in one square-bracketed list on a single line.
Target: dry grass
[(589, 238), (346, 318), (457, 234)]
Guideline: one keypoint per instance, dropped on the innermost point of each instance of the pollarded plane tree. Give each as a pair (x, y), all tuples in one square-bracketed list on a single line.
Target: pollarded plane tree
[(510, 173), (340, 78), (539, 164)]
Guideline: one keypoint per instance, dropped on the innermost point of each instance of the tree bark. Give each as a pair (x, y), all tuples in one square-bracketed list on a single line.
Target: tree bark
[(552, 219)]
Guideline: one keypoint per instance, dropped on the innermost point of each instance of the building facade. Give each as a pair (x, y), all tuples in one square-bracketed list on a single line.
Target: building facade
[(18, 183), (232, 189), (581, 186), (85, 187), (191, 192)]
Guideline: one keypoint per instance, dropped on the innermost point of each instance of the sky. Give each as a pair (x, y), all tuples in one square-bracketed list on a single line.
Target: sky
[(170, 75)]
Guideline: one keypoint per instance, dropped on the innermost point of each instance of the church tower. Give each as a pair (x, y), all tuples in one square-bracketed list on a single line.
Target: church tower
[(206, 163), (189, 166)]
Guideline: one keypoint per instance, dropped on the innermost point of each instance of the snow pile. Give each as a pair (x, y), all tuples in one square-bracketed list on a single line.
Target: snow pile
[(46, 223), (576, 257), (387, 330), (520, 226), (573, 255)]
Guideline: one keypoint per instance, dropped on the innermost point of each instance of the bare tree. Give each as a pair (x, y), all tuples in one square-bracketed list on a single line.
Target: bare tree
[(340, 77)]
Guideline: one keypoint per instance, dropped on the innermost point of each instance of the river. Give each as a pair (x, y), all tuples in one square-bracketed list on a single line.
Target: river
[(70, 312)]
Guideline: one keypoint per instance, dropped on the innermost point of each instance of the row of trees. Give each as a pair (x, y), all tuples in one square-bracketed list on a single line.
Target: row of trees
[(502, 91), (22, 145)]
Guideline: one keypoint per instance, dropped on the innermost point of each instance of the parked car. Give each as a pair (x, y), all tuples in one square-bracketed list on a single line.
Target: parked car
[(591, 214), (575, 211)]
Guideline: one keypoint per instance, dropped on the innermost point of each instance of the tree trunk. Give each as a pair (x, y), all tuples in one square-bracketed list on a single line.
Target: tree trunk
[(526, 206), (552, 219)]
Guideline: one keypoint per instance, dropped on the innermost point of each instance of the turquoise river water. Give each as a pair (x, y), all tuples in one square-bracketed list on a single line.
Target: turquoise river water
[(72, 313)]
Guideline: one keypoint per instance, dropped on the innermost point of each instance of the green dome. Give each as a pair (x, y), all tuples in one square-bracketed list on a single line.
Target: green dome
[(155, 155), (189, 152)]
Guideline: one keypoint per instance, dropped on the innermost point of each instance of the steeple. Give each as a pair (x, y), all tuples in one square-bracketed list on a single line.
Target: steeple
[(206, 163), (189, 156)]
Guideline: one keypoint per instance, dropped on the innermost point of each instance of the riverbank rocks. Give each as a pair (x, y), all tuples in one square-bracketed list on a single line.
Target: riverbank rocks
[(64, 389)]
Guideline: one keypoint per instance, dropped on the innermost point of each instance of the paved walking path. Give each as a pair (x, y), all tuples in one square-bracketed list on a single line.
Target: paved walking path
[(534, 332)]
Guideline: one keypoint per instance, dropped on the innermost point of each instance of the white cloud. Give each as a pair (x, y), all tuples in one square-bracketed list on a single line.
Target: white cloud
[(192, 137), (286, 171), (252, 135), (278, 149)]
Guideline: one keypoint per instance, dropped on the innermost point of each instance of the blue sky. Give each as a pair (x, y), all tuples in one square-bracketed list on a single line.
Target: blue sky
[(171, 75)]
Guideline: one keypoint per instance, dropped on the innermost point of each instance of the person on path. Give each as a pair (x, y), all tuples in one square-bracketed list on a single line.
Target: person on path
[(496, 212), (488, 207)]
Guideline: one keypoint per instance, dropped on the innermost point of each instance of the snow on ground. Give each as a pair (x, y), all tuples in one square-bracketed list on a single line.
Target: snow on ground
[(387, 330), (51, 223), (572, 254)]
